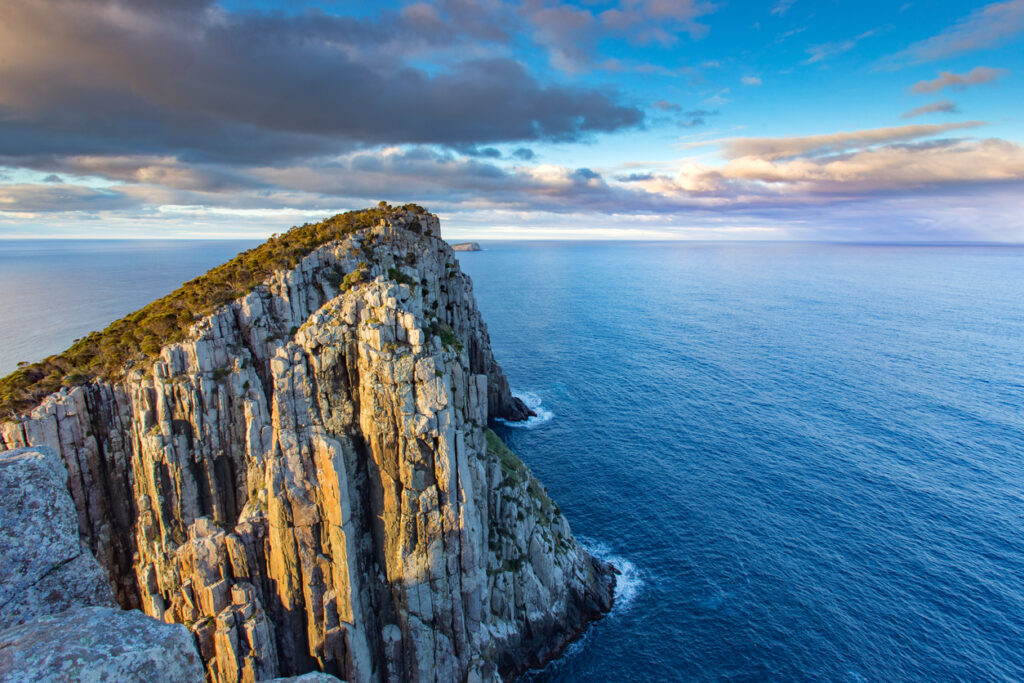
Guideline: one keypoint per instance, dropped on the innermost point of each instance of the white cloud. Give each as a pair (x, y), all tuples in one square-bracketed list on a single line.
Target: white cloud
[(984, 29)]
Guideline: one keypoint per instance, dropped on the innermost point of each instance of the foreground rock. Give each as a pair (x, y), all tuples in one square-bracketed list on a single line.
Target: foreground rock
[(99, 644), (44, 568), (307, 481), (58, 619)]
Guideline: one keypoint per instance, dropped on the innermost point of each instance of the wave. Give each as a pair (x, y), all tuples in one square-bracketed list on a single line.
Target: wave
[(628, 584), (534, 403)]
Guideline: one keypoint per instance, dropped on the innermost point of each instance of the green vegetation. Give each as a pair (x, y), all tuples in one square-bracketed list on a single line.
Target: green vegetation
[(137, 338), (398, 276), (516, 472), (449, 339)]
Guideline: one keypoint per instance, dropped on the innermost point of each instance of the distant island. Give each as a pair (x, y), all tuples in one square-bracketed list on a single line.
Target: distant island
[(467, 246)]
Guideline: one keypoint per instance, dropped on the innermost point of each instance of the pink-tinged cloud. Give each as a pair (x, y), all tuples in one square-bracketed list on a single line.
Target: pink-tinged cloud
[(834, 143), (947, 79), (940, 107)]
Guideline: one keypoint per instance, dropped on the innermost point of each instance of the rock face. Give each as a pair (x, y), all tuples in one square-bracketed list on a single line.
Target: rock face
[(307, 482), (44, 569), (466, 246), (58, 619), (98, 644)]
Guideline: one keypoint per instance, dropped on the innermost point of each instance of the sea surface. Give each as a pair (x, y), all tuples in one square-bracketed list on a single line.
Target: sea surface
[(807, 460)]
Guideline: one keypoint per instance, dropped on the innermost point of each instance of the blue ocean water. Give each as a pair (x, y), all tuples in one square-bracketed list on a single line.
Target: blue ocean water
[(54, 291), (807, 459), (811, 456)]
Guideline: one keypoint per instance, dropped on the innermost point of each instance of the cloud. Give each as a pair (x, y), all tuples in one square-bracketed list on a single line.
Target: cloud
[(697, 117), (940, 107), (665, 105), (948, 79), (754, 188), (781, 7), (198, 77), (751, 80), (568, 33), (984, 29), (887, 169), (571, 33), (60, 198), (772, 149), (825, 51)]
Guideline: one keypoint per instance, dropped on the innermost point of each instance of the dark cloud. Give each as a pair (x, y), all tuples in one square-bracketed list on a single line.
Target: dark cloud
[(524, 154), (195, 78), (59, 198)]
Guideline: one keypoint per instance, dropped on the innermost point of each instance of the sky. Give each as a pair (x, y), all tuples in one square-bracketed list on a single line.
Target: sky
[(834, 120)]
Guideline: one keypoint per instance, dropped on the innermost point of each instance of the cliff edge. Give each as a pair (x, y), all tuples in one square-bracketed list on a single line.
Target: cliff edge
[(306, 480)]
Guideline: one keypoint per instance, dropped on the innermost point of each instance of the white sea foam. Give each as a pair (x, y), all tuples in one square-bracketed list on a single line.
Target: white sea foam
[(534, 403), (628, 584)]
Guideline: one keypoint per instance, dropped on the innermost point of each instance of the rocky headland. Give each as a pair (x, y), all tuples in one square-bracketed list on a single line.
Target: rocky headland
[(467, 246), (302, 476)]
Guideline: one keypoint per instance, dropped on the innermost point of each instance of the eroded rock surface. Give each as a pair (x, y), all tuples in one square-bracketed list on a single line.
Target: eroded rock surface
[(98, 644), (306, 482), (44, 568)]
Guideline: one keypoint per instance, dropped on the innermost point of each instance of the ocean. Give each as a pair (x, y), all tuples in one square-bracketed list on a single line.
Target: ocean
[(806, 459)]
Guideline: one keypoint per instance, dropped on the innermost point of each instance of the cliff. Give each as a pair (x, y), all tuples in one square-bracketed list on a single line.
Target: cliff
[(466, 246), (306, 480)]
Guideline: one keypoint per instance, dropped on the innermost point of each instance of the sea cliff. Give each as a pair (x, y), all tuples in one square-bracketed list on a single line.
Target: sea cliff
[(307, 481)]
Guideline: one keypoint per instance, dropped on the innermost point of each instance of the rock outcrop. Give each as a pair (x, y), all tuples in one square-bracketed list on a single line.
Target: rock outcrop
[(98, 644), (44, 568), (466, 246), (308, 483), (58, 619)]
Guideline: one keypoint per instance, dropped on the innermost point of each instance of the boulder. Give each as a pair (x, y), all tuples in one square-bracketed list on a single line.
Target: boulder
[(44, 567), (99, 644)]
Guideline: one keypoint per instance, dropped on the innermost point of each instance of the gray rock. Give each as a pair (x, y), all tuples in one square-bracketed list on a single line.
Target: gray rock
[(314, 677), (98, 644), (44, 568)]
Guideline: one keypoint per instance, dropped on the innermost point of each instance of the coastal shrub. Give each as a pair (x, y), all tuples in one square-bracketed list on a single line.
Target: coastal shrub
[(398, 276), (136, 339), (449, 339)]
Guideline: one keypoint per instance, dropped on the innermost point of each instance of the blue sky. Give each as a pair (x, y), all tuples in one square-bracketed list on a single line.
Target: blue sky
[(645, 119)]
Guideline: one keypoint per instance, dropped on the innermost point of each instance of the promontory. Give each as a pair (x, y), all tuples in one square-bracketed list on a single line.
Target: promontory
[(291, 457)]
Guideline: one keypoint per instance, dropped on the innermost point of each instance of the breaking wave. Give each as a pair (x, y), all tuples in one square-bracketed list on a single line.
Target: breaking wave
[(533, 402)]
